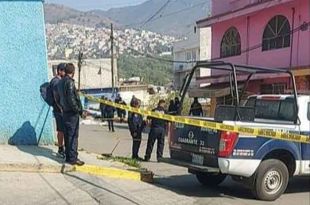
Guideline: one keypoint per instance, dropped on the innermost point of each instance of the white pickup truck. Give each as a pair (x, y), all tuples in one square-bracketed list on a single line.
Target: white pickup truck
[(264, 164)]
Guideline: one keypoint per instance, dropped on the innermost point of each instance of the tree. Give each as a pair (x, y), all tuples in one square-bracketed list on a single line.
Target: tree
[(152, 71)]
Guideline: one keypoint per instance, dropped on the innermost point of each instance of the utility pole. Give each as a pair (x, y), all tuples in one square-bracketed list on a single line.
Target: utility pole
[(80, 68), (112, 57)]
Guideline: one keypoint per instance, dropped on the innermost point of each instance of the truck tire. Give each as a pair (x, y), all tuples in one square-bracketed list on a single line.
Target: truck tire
[(271, 180), (208, 179)]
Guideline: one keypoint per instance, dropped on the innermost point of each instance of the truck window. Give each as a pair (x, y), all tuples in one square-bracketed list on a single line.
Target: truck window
[(283, 110), (287, 110), (267, 109), (250, 102)]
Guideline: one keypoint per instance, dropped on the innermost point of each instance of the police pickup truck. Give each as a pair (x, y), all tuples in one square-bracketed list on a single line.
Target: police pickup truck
[(263, 164)]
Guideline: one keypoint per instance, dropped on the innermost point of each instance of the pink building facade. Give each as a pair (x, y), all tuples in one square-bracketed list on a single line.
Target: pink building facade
[(268, 33)]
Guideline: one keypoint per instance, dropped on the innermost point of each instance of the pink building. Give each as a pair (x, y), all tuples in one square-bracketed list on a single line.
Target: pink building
[(268, 33)]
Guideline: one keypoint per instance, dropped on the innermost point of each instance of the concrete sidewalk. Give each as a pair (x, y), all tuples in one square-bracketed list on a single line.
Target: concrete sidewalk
[(42, 159)]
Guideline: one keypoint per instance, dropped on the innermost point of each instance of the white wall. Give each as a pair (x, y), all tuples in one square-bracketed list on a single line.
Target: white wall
[(90, 77), (205, 48), (198, 44)]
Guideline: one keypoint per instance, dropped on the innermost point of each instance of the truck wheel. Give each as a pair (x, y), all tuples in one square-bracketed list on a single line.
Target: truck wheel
[(271, 180), (208, 179)]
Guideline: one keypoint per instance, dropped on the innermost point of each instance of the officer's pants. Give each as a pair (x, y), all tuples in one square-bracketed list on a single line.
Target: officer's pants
[(111, 124), (136, 142), (159, 135), (71, 122)]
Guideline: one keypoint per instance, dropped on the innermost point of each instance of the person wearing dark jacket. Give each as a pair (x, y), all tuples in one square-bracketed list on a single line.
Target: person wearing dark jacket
[(57, 110), (109, 112), (157, 132), (72, 110), (120, 112), (177, 105), (196, 108), (171, 108), (102, 109), (136, 125)]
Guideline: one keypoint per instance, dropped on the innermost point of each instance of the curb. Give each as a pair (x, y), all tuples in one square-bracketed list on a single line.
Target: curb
[(109, 172), (36, 168)]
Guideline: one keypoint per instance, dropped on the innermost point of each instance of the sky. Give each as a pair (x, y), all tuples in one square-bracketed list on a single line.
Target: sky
[(85, 5)]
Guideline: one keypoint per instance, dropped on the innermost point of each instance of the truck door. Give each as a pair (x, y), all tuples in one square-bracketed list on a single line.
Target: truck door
[(305, 148)]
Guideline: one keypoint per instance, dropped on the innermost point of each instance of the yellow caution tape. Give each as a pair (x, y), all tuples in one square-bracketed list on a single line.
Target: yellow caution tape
[(268, 133)]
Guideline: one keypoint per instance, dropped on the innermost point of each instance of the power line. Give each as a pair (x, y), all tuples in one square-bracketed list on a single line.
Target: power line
[(157, 12), (167, 15), (179, 11)]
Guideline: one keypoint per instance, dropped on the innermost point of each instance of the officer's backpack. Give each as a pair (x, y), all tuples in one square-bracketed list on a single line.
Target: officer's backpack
[(46, 91)]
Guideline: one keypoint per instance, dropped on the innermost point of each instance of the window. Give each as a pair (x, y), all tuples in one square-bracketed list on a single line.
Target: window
[(277, 34), (276, 110), (188, 56), (194, 56), (251, 102), (277, 88), (231, 43)]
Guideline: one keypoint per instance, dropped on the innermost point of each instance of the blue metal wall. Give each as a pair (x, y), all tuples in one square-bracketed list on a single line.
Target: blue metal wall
[(24, 117)]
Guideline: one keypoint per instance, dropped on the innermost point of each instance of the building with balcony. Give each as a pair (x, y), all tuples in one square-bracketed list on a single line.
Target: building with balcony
[(267, 33)]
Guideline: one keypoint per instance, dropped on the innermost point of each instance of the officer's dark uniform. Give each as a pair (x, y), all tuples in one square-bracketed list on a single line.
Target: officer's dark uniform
[(72, 108), (157, 132), (136, 126), (109, 112)]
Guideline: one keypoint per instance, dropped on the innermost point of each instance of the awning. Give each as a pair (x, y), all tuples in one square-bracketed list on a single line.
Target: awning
[(225, 78), (249, 9), (211, 91)]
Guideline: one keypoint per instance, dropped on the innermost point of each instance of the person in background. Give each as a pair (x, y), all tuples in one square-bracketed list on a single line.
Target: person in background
[(133, 99), (109, 112), (57, 110), (120, 112), (102, 109), (72, 110), (177, 105), (157, 132), (136, 125), (196, 108), (171, 108)]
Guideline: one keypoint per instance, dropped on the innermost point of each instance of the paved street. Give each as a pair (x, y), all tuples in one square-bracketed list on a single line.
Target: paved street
[(173, 185)]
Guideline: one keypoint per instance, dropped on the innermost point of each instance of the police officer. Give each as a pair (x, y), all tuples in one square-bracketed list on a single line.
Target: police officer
[(157, 132), (136, 125), (72, 109), (102, 109), (109, 112)]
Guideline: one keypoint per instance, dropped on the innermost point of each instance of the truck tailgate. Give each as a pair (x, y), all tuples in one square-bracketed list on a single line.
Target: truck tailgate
[(194, 145)]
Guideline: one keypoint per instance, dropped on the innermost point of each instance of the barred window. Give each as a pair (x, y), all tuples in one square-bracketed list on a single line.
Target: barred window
[(277, 34), (231, 43)]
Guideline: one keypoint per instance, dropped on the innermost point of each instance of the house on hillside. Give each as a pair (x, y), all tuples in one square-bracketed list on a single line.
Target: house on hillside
[(267, 33)]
